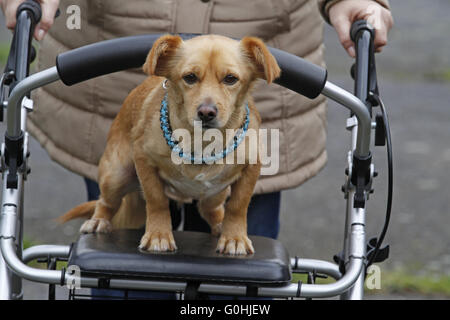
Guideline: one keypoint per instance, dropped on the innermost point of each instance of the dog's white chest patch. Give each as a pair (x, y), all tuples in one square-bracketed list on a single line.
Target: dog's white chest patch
[(201, 177), (197, 187)]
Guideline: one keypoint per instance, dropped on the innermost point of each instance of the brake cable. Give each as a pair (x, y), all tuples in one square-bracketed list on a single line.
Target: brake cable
[(387, 132)]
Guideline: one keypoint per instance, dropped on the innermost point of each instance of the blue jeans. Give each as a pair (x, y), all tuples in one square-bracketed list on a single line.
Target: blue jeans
[(263, 219)]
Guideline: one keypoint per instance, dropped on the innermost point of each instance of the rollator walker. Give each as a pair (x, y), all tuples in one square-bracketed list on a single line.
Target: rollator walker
[(113, 261)]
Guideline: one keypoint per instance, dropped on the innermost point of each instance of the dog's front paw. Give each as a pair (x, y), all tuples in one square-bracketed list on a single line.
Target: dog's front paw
[(96, 225), (158, 241), (235, 245)]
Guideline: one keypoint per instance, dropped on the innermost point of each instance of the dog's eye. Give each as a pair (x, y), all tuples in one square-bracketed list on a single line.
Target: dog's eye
[(190, 78), (230, 80)]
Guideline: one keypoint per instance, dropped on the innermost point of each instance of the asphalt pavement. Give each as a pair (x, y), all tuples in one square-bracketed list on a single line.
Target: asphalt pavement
[(413, 72)]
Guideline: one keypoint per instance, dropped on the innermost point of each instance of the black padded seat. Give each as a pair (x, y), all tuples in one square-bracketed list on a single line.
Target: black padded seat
[(116, 255)]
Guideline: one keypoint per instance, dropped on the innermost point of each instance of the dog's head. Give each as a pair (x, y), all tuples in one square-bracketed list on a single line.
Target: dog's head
[(210, 75)]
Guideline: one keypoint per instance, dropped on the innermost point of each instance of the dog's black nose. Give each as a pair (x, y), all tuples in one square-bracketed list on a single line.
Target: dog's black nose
[(207, 112)]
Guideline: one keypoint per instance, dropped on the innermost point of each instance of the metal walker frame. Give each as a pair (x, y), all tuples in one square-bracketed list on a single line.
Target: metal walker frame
[(349, 275)]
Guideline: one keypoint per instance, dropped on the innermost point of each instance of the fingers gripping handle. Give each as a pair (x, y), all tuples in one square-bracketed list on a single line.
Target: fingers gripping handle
[(120, 54)]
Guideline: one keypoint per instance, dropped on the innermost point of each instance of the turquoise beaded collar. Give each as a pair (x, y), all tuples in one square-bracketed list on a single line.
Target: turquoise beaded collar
[(173, 144)]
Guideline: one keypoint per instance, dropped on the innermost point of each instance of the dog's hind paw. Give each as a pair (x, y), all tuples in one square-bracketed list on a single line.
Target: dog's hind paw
[(235, 246), (96, 226), (158, 242)]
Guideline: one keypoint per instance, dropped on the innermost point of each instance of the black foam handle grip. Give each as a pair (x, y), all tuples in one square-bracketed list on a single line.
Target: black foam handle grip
[(358, 26), (110, 56), (299, 75), (33, 7)]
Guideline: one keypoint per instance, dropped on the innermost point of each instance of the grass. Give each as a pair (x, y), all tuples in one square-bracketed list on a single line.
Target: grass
[(401, 281), (438, 76), (405, 282), (27, 243), (4, 51)]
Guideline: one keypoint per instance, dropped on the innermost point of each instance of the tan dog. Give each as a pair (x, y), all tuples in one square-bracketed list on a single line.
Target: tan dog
[(209, 78)]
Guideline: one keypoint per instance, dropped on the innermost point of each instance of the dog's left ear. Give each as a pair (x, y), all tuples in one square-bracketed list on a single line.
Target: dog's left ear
[(266, 65), (161, 58)]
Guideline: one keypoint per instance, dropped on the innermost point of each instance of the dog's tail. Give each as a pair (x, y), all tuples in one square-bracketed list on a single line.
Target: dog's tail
[(84, 210)]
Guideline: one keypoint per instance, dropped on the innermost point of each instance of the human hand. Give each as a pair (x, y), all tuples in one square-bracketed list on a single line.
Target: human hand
[(345, 12), (49, 8)]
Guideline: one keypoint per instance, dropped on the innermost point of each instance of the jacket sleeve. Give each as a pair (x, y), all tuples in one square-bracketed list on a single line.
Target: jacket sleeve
[(325, 5)]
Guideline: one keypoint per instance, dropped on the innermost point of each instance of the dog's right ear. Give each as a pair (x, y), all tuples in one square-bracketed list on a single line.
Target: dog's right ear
[(163, 52)]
